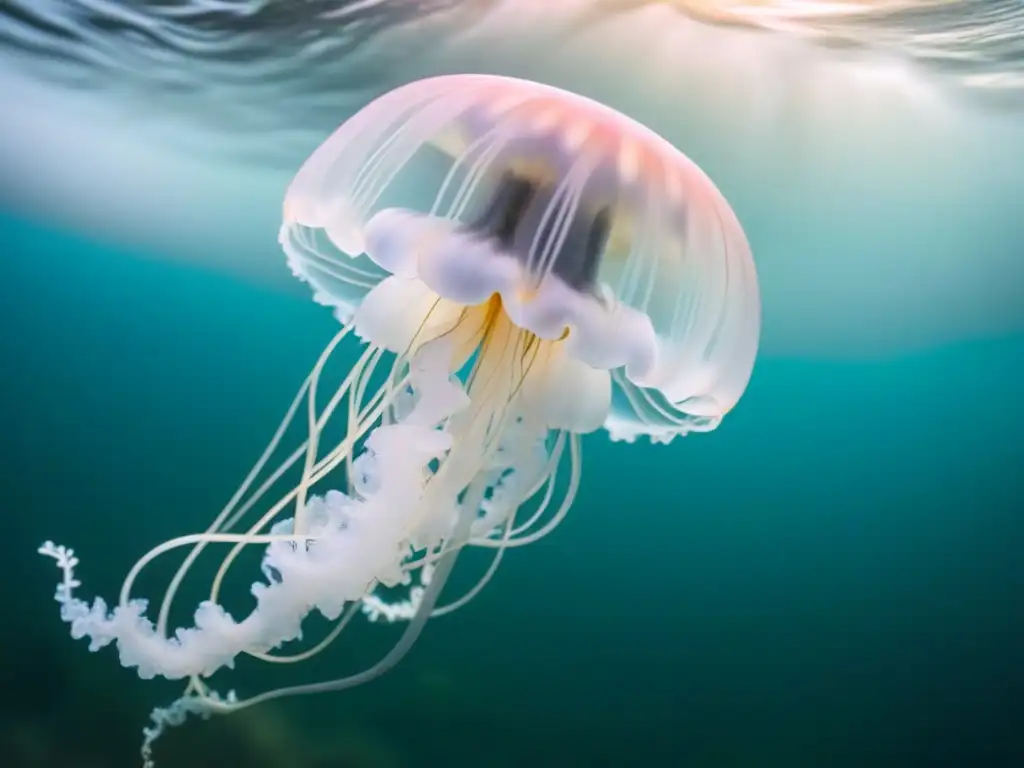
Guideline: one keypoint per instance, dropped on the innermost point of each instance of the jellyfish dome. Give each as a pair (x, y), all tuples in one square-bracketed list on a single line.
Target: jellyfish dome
[(591, 233), (523, 266)]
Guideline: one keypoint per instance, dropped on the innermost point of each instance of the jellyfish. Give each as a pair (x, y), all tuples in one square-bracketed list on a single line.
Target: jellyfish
[(522, 266)]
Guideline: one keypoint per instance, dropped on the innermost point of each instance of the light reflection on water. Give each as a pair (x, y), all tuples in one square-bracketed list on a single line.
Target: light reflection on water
[(871, 148), (292, 63)]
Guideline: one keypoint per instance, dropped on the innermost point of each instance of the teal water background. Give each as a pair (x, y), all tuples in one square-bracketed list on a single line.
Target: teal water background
[(833, 579)]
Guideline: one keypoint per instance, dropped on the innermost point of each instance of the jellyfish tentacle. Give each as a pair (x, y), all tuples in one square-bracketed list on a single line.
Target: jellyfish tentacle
[(549, 488), (442, 570), (352, 558), (252, 535), (339, 626), (575, 473), (220, 523), (565, 270), (224, 518), (357, 382), (482, 582), (319, 471), (407, 609), (316, 423), (472, 500)]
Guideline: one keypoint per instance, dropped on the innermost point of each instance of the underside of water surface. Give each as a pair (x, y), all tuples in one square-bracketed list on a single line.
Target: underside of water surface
[(870, 148)]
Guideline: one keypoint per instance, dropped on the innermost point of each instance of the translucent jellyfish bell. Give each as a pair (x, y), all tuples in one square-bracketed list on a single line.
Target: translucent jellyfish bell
[(525, 266), (576, 219)]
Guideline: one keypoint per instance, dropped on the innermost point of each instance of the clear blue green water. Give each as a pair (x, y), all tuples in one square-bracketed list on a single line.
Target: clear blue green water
[(832, 579)]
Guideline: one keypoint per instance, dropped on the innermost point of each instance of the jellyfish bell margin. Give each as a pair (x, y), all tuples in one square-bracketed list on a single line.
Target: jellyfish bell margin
[(523, 265)]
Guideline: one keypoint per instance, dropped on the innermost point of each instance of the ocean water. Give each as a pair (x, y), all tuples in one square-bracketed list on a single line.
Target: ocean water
[(832, 579)]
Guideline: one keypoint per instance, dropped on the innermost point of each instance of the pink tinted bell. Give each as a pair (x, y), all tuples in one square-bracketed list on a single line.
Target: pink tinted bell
[(572, 212)]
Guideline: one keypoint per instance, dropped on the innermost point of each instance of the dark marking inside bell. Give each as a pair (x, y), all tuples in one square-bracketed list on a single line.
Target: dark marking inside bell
[(515, 212), (505, 210)]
